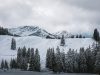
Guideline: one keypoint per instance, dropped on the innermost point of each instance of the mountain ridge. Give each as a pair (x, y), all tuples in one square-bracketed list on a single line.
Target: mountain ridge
[(37, 31)]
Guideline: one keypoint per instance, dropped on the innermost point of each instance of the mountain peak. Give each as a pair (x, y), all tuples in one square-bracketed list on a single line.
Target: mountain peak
[(64, 32), (26, 30), (36, 31)]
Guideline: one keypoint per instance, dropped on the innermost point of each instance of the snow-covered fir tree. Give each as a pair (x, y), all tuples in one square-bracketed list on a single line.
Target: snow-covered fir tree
[(24, 52), (58, 60), (19, 57), (4, 65), (24, 64), (76, 62), (51, 60), (54, 61), (24, 59), (49, 57), (13, 64), (70, 61), (63, 61), (82, 61), (89, 60), (97, 63), (31, 62)]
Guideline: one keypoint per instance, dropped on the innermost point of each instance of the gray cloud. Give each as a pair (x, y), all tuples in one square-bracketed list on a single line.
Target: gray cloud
[(53, 15)]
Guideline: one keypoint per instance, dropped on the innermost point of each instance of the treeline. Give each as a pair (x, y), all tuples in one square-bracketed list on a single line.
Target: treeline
[(84, 61), (4, 65), (77, 36), (26, 60), (4, 31)]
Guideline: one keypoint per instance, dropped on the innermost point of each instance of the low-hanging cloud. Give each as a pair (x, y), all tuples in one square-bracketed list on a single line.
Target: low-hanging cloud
[(53, 15)]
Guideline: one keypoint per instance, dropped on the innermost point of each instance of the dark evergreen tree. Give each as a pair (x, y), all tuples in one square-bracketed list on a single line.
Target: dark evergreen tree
[(76, 62), (58, 60), (13, 44), (6, 65), (82, 61), (63, 61), (2, 64), (96, 35), (80, 36), (62, 41), (72, 36), (13, 64), (24, 59), (54, 64), (89, 60), (24, 64), (37, 61), (51, 60), (47, 58), (19, 57), (24, 52), (28, 55), (97, 63), (77, 36), (4, 31), (32, 63), (70, 61), (95, 50)]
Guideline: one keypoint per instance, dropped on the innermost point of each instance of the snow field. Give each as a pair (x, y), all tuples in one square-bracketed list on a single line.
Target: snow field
[(41, 43)]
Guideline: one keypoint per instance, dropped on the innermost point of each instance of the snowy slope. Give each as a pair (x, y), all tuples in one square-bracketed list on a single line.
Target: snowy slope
[(41, 43), (18, 72)]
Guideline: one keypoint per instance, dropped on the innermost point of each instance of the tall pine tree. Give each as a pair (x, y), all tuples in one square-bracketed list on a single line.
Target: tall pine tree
[(2, 64), (19, 57), (37, 61), (97, 63), (96, 35), (31, 62)]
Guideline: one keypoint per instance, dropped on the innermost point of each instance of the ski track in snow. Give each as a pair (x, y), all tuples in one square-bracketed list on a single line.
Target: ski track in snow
[(41, 43)]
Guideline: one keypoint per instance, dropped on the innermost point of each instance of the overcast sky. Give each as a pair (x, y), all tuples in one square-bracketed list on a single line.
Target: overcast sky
[(52, 15)]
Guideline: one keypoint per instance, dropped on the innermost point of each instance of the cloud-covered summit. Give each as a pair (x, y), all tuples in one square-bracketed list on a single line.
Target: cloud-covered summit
[(53, 15)]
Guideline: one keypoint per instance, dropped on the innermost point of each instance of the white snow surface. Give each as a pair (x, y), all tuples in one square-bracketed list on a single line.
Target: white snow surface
[(41, 43), (18, 72)]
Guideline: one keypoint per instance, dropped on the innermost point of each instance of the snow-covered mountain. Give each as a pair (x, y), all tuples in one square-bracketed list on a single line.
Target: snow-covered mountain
[(36, 31), (30, 31), (65, 33)]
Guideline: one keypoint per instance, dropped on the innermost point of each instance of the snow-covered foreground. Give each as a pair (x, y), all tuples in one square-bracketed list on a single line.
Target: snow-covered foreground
[(41, 43), (38, 73)]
